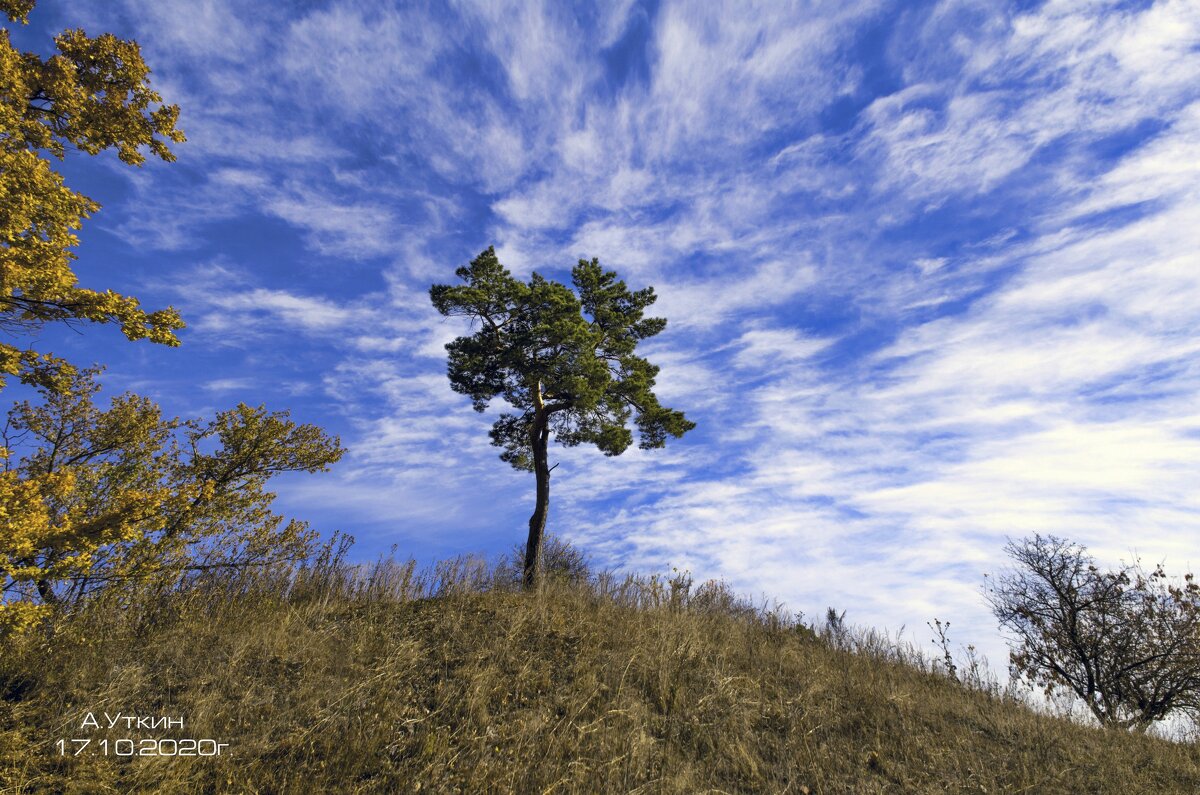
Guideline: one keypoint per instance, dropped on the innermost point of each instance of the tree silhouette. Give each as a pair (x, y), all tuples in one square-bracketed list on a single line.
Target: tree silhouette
[(563, 359)]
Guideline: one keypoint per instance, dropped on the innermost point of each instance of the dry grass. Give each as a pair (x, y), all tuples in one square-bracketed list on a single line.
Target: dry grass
[(339, 680)]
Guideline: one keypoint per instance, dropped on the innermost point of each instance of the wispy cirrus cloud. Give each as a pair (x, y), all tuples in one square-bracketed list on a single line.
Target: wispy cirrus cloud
[(929, 269)]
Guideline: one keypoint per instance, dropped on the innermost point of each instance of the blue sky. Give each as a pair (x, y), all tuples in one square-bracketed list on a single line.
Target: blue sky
[(931, 270)]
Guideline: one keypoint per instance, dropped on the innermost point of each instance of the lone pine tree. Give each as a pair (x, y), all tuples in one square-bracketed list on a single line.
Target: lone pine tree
[(563, 359)]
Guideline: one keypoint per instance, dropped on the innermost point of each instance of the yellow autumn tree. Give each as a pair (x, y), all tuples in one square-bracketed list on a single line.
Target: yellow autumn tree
[(93, 94), (90, 496)]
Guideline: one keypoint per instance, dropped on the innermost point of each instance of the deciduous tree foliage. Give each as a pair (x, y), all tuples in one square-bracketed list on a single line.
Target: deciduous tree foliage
[(92, 95), (563, 359), (1126, 642), (92, 495)]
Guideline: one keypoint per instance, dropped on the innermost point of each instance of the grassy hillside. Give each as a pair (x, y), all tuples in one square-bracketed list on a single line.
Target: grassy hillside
[(342, 682)]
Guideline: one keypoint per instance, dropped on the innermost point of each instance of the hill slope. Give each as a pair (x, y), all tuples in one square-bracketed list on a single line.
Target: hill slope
[(333, 684)]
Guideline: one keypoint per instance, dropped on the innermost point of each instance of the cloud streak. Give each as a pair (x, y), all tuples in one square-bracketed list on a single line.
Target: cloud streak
[(930, 271)]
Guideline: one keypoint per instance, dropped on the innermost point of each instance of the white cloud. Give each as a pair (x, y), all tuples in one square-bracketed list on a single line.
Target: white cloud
[(1078, 74), (201, 29), (762, 348), (353, 229), (229, 385), (998, 258), (712, 301)]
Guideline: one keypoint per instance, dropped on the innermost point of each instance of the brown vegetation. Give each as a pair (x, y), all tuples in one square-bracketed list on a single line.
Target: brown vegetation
[(343, 679)]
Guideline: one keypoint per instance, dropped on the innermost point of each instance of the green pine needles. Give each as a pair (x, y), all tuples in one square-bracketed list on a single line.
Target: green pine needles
[(564, 359)]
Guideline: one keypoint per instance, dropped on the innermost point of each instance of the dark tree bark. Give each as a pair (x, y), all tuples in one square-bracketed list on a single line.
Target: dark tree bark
[(539, 437), (46, 591)]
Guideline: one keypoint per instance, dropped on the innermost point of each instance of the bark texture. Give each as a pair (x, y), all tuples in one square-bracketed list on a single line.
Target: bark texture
[(539, 437)]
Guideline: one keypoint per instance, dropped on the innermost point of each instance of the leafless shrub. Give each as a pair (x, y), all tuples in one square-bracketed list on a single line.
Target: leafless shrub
[(1126, 642)]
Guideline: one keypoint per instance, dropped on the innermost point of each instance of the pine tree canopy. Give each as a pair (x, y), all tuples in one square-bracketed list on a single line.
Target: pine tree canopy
[(565, 354)]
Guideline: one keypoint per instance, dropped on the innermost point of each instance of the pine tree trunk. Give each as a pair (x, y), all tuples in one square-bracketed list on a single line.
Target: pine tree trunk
[(539, 437)]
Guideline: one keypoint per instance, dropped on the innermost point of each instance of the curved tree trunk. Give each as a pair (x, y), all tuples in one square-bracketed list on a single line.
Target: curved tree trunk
[(539, 437)]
